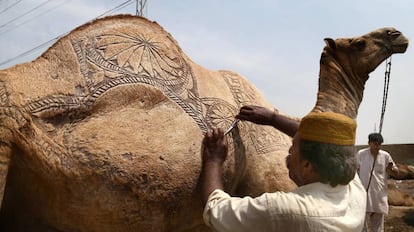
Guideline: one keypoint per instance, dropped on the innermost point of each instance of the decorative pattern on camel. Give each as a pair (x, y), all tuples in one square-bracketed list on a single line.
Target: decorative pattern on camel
[(103, 131)]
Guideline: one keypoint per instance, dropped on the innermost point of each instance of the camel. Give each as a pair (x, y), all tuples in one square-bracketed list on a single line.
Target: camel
[(405, 172), (103, 131)]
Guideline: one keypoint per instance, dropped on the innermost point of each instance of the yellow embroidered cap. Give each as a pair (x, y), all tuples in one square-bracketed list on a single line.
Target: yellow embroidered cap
[(328, 127)]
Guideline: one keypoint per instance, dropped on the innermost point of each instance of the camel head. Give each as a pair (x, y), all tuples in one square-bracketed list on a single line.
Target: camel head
[(345, 66)]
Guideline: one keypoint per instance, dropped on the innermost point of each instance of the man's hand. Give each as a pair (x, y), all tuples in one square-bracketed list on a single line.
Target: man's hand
[(264, 116), (214, 147), (213, 154), (256, 114), (393, 168)]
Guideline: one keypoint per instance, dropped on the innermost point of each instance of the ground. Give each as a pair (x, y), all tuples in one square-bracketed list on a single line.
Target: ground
[(401, 218)]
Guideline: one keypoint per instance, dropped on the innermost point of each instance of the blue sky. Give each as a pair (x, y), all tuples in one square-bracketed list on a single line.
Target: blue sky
[(274, 44)]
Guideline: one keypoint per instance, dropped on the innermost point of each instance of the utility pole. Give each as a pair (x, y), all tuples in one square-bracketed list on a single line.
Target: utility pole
[(141, 7)]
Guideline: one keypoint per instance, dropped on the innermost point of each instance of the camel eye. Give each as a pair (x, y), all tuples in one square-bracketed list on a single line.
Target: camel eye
[(393, 34), (359, 44)]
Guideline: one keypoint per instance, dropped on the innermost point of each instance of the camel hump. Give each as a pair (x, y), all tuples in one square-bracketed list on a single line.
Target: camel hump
[(109, 122), (83, 69)]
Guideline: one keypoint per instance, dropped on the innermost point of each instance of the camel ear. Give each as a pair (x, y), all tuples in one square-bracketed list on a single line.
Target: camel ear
[(330, 43)]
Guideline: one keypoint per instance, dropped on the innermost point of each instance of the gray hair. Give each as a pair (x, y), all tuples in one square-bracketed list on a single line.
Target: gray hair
[(335, 164)]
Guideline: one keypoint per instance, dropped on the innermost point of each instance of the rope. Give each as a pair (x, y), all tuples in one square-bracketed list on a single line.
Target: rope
[(385, 93), (384, 105)]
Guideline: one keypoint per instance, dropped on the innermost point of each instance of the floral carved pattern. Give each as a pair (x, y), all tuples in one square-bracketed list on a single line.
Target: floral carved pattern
[(113, 58), (116, 58)]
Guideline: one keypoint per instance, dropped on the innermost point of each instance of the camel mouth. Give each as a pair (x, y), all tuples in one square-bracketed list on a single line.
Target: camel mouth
[(400, 48)]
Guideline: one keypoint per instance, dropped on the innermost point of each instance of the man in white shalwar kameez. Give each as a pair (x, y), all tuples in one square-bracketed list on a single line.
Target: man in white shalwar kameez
[(321, 161), (374, 164)]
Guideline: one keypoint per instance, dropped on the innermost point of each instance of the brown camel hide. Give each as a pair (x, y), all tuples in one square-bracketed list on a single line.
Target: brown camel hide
[(103, 131)]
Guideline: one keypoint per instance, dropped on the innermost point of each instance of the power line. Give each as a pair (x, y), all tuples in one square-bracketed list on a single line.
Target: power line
[(7, 8), (24, 14), (29, 51), (122, 5), (31, 19)]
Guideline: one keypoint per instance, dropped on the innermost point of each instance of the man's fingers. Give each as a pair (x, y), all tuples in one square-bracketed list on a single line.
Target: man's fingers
[(207, 137), (213, 137), (245, 115), (215, 133), (246, 107), (247, 111)]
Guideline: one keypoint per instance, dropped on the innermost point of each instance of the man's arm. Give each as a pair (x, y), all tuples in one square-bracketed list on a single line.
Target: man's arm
[(213, 154), (263, 116), (223, 212), (392, 169)]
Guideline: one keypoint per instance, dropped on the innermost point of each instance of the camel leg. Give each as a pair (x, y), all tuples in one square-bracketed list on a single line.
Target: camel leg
[(12, 121), (5, 152)]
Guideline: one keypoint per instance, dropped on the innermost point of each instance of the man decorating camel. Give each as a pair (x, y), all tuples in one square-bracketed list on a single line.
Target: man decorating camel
[(329, 197)]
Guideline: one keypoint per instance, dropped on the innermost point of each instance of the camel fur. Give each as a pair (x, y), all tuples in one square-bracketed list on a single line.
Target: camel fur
[(103, 131)]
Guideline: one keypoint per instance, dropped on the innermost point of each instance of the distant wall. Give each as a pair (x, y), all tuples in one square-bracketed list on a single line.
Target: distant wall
[(401, 153)]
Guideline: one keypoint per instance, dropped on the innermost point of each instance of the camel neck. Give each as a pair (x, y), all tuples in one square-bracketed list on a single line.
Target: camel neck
[(339, 91)]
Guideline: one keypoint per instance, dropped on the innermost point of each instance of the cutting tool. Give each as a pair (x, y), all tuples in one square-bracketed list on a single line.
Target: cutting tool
[(232, 125)]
